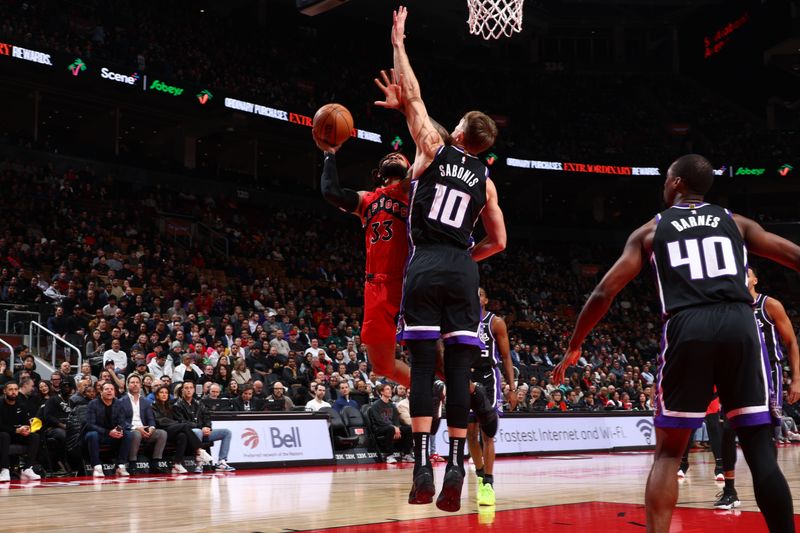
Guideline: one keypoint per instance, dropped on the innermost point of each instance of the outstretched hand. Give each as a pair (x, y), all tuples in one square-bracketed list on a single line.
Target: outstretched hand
[(399, 26), (325, 147), (560, 370), (392, 92)]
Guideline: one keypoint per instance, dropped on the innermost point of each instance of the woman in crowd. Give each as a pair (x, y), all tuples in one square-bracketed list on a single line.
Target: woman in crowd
[(45, 392), (147, 384), (557, 402), (240, 372), (233, 389), (642, 403), (95, 347), (222, 375), (5, 373), (180, 433)]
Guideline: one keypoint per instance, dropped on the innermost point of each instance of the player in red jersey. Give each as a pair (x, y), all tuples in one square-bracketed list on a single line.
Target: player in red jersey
[(383, 213)]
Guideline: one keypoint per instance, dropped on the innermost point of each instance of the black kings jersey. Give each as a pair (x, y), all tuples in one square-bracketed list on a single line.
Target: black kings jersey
[(772, 340), (447, 199), (699, 257), (489, 356)]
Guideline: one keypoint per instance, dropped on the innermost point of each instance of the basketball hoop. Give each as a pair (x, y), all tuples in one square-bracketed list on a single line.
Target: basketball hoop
[(492, 19)]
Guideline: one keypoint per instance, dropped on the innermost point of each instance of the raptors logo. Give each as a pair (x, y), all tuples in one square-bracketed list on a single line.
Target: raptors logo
[(250, 438)]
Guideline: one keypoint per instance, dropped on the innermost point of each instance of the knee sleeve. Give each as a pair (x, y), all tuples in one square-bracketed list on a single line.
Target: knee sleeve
[(458, 359), (423, 364), (490, 429)]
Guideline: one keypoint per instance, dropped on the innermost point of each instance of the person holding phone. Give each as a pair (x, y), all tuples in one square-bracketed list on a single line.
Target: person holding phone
[(106, 425)]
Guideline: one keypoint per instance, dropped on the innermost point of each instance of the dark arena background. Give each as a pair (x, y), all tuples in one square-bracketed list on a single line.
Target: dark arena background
[(160, 190)]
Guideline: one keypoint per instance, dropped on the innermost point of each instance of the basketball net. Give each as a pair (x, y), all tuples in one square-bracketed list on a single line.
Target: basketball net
[(492, 19)]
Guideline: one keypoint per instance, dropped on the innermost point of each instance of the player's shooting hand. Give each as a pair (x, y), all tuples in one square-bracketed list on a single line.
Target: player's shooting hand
[(325, 147), (391, 90), (794, 391), (569, 360), (399, 26)]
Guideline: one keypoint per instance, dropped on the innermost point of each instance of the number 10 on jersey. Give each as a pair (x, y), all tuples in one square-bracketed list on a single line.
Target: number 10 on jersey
[(455, 206)]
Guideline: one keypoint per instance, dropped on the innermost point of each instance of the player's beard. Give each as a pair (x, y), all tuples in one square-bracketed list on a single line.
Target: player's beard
[(393, 170)]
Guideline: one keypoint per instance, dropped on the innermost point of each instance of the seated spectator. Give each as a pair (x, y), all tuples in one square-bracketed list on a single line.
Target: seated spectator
[(240, 372), (106, 426), (86, 372), (573, 400), (400, 393), (246, 401), (56, 412), (278, 401), (344, 398), (15, 428), (537, 402), (139, 418), (588, 402), (117, 356), (28, 366), (557, 402), (179, 433), (319, 399), (385, 421), (188, 409), (27, 392), (258, 390), (360, 394), (233, 389), (187, 370), (5, 373), (45, 392)]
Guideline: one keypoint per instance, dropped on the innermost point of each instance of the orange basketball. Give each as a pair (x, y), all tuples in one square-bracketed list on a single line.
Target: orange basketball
[(333, 124)]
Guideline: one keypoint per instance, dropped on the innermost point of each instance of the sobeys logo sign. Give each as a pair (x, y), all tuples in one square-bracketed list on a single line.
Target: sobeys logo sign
[(164, 88), (744, 171)]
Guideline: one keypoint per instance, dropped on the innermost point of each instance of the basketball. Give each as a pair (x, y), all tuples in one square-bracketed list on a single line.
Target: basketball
[(333, 124)]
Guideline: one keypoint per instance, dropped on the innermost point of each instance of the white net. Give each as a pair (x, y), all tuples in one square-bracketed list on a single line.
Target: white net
[(492, 19)]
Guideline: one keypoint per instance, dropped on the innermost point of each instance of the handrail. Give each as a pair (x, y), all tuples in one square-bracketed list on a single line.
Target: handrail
[(56, 339), (11, 351), (18, 312)]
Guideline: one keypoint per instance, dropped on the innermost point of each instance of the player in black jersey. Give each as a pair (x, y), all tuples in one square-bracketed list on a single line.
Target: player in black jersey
[(698, 251), (450, 190), (485, 371), (776, 330)]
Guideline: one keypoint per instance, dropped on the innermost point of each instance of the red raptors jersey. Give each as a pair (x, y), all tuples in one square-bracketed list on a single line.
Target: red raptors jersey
[(384, 212)]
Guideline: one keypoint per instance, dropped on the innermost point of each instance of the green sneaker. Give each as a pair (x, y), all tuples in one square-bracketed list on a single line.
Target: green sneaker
[(485, 494)]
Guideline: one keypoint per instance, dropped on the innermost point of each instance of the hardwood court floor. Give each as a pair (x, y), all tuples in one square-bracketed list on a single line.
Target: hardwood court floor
[(601, 492)]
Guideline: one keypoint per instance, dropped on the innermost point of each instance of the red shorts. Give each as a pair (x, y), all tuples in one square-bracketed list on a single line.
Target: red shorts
[(381, 307)]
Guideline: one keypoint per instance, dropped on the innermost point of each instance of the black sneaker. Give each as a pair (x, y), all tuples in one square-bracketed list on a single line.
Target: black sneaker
[(156, 468), (423, 489), (727, 500), (450, 497)]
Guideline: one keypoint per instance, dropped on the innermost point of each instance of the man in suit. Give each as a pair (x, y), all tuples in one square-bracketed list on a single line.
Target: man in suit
[(246, 401), (106, 425), (140, 418)]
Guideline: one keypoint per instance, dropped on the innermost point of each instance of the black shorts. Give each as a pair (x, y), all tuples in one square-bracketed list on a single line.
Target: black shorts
[(440, 296), (710, 345), (489, 377)]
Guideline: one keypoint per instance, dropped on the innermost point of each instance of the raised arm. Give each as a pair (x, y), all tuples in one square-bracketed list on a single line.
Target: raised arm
[(761, 242), (494, 224), (782, 323), (624, 270), (424, 133)]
